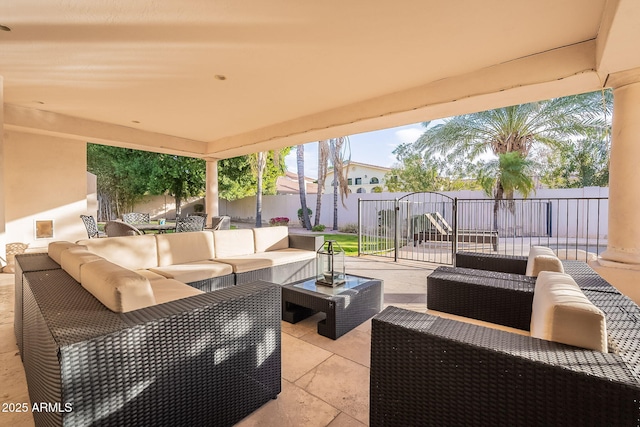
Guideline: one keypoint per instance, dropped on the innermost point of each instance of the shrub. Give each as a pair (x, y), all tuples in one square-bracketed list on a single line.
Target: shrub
[(318, 227), (309, 211), (349, 228), (279, 220)]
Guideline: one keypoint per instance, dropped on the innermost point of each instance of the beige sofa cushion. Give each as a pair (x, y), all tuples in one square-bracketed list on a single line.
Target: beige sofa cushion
[(56, 248), (562, 313), (180, 248), (542, 259), (194, 271), (132, 252), (150, 275), (170, 290), (232, 243), (271, 238), (244, 263), (118, 288), (73, 258)]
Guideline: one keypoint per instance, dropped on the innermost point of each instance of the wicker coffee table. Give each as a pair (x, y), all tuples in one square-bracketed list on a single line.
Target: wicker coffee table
[(345, 306)]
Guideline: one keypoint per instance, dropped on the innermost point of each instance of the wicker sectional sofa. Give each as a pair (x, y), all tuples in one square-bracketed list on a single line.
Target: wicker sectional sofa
[(155, 329), (434, 370)]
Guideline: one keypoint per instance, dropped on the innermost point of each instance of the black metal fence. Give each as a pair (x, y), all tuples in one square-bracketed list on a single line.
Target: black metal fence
[(432, 227)]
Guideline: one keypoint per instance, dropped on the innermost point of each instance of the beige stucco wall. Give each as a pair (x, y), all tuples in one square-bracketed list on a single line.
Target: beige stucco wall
[(45, 179)]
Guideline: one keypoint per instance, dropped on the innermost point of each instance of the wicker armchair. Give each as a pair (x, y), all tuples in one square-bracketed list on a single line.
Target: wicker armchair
[(190, 223), (119, 228), (91, 226), (136, 218)]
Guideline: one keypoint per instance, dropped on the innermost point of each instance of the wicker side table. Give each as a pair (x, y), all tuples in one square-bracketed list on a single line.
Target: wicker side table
[(345, 306)]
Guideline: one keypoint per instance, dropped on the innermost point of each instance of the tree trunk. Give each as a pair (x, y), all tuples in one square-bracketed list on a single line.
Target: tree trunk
[(303, 187), (335, 200), (323, 158), (261, 164)]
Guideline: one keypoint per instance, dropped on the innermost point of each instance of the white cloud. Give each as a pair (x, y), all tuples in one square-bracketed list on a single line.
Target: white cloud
[(408, 135)]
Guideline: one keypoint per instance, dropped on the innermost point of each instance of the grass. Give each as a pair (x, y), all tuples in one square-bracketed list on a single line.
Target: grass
[(348, 242)]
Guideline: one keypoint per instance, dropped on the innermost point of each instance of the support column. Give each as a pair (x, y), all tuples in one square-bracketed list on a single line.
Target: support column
[(624, 177), (620, 263), (3, 168), (211, 192)]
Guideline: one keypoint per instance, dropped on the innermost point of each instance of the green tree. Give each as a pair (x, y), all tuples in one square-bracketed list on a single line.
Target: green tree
[(585, 163), (181, 177), (235, 179), (122, 176), (413, 175)]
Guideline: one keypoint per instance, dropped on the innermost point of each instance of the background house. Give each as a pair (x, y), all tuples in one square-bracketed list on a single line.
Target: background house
[(361, 177), (288, 184)]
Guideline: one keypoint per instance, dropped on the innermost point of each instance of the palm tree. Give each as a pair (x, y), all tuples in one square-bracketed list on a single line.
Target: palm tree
[(303, 186), (519, 127), (516, 129), (323, 160), (501, 178), (258, 162), (340, 155)]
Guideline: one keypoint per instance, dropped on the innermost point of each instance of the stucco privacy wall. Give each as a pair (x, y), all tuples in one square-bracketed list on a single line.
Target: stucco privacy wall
[(45, 179), (288, 205)]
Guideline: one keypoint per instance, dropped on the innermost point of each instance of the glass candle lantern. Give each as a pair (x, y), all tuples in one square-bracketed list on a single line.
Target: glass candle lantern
[(330, 264)]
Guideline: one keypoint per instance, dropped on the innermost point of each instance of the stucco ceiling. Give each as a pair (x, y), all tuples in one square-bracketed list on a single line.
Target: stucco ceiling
[(222, 78)]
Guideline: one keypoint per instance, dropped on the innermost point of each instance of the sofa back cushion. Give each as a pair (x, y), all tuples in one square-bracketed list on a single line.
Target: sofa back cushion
[(118, 288), (132, 252), (271, 238), (180, 248), (231, 243), (562, 313), (73, 258), (56, 248), (542, 259)]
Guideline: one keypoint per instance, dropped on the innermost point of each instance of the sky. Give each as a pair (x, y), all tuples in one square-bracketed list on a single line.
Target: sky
[(374, 148)]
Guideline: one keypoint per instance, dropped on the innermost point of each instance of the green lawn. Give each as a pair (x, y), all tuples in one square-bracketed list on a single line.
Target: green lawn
[(348, 242)]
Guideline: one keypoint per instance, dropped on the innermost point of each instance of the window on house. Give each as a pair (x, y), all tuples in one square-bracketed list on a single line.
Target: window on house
[(349, 181), (361, 190), (374, 180), (358, 181)]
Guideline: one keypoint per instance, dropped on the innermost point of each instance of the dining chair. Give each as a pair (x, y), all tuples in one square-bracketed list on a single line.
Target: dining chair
[(190, 223), (92, 226), (119, 228), (136, 218)]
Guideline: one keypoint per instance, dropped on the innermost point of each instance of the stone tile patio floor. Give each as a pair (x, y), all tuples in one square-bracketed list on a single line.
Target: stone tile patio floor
[(324, 382)]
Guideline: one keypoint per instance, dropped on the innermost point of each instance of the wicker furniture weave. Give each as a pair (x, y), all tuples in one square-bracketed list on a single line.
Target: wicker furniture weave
[(92, 226), (502, 298), (136, 218), (190, 223), (493, 262), (463, 374), (27, 263), (426, 370), (180, 363), (344, 308)]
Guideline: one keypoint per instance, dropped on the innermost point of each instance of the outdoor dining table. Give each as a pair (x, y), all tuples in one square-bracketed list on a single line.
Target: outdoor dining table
[(161, 228)]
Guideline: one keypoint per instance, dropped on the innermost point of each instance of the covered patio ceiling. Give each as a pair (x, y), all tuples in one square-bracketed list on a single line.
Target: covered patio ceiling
[(218, 79)]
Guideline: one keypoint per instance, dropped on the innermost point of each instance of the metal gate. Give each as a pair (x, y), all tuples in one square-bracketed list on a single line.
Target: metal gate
[(432, 227), (419, 227)]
